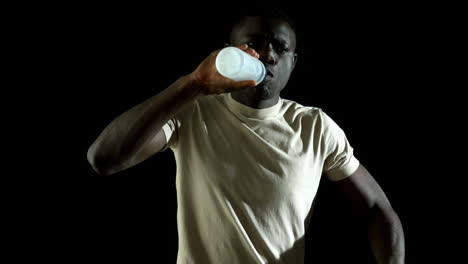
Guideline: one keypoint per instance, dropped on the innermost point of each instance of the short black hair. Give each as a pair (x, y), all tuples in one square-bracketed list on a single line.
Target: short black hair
[(238, 15)]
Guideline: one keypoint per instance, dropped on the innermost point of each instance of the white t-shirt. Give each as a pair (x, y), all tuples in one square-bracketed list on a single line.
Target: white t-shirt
[(246, 178)]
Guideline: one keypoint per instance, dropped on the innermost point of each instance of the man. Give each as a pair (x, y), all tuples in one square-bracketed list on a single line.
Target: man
[(248, 161)]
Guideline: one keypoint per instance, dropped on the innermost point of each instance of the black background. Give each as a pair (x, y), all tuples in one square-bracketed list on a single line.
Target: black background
[(366, 66)]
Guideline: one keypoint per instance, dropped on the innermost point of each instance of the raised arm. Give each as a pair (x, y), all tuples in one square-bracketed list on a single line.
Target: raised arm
[(385, 231), (137, 134)]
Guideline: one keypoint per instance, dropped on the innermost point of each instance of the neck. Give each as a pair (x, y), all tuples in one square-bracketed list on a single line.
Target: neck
[(254, 101)]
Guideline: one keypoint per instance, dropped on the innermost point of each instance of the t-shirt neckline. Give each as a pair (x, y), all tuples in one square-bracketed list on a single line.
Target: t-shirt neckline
[(249, 112)]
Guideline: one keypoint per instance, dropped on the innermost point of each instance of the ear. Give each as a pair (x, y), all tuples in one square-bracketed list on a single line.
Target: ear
[(294, 60)]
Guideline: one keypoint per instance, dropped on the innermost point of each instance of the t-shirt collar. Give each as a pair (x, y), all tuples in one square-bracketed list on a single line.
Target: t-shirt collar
[(249, 112)]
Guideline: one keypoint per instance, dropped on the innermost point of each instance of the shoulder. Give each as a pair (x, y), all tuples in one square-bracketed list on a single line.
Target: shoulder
[(293, 110), (313, 117), (211, 100), (202, 103)]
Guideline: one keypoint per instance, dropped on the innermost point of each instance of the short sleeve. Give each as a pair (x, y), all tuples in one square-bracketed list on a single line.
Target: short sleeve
[(174, 126), (339, 161), (171, 132)]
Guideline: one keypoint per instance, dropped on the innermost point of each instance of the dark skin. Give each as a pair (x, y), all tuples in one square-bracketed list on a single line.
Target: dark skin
[(274, 43), (137, 134)]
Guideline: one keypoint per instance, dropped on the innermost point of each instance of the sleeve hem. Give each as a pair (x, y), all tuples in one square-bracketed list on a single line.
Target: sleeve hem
[(344, 172), (167, 132)]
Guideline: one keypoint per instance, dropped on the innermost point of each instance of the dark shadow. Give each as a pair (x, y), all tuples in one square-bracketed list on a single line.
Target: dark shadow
[(335, 233)]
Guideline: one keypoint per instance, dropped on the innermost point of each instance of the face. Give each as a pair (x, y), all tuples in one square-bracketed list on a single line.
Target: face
[(275, 41)]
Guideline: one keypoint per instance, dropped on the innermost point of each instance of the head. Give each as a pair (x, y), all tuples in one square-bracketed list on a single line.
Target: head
[(272, 34)]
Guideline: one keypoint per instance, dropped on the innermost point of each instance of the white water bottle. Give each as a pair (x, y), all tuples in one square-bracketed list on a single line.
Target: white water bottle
[(238, 65)]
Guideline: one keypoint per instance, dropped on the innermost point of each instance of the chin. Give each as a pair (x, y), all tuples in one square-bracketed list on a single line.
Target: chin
[(263, 92)]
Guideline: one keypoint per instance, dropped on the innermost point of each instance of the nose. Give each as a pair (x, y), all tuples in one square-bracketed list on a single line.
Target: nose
[(267, 54)]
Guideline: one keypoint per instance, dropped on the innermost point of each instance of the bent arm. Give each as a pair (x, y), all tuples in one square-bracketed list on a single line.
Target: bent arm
[(385, 231), (137, 133)]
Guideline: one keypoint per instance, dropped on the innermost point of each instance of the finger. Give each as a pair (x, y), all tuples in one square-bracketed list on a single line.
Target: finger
[(257, 54), (248, 49), (252, 52), (242, 46)]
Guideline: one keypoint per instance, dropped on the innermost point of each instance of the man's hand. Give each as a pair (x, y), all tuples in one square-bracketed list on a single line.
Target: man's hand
[(207, 78)]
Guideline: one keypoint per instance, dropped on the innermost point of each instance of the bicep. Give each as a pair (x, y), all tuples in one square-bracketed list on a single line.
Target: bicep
[(155, 145), (362, 189)]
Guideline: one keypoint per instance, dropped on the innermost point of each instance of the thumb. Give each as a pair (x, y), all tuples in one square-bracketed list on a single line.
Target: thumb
[(244, 84)]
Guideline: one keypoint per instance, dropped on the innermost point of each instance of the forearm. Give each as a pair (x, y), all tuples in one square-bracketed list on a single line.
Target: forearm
[(130, 131), (386, 236)]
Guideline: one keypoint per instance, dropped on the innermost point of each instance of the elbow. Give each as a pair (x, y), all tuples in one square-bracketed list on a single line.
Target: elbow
[(98, 163)]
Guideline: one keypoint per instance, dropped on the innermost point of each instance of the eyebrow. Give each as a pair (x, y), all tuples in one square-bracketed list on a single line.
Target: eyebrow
[(277, 38)]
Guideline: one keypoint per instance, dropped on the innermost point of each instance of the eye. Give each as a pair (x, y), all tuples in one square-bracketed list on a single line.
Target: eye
[(282, 49)]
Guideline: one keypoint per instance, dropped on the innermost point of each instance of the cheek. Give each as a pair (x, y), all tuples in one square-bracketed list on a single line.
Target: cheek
[(285, 73), (285, 68)]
